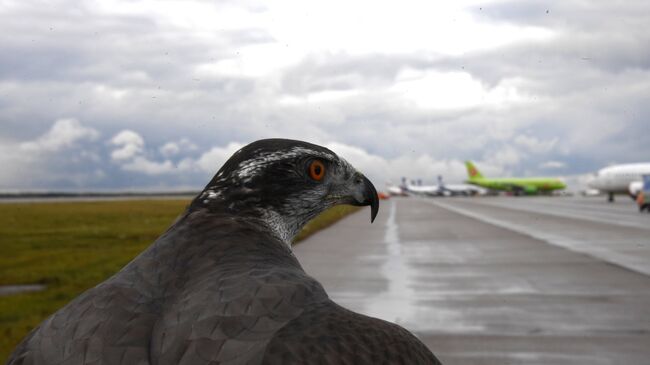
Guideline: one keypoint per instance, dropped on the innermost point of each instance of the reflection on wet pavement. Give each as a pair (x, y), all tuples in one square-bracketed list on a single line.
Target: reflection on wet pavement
[(478, 291)]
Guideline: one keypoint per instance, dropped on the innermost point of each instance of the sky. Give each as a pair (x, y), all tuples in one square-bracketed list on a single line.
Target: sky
[(156, 95)]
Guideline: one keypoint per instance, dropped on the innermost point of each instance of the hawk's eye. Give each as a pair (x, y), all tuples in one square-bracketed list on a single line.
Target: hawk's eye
[(316, 170)]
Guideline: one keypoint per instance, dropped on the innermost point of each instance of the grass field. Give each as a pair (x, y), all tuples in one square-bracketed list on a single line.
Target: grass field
[(72, 246)]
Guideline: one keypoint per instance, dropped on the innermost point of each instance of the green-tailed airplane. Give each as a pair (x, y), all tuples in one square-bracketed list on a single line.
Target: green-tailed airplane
[(518, 186)]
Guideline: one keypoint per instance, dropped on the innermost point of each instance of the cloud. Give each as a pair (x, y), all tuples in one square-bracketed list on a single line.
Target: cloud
[(152, 167), (132, 156), (129, 144), (142, 165), (381, 170), (63, 156), (501, 82), (211, 160), (433, 89), (63, 134), (535, 145), (507, 156), (170, 149), (553, 165)]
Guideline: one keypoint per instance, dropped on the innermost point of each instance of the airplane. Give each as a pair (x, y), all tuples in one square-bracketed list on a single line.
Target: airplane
[(416, 188), (624, 178), (441, 189), (396, 190), (461, 189), (516, 185), (635, 188)]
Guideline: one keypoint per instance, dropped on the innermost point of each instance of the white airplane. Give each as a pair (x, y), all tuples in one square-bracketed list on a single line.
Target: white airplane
[(461, 189), (635, 188), (395, 190), (619, 179), (416, 188), (441, 189)]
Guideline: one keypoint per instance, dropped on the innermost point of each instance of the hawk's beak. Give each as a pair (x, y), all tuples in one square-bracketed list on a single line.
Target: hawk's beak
[(365, 194)]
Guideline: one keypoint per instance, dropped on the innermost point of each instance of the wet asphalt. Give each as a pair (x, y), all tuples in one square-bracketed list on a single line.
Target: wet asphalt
[(498, 280)]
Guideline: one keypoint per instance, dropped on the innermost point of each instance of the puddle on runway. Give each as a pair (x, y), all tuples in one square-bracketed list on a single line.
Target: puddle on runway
[(401, 303), (17, 289), (397, 303)]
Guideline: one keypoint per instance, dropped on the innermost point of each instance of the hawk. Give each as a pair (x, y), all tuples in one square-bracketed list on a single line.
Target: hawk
[(222, 286)]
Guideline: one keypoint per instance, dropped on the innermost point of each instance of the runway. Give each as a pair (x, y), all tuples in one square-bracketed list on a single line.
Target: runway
[(498, 280)]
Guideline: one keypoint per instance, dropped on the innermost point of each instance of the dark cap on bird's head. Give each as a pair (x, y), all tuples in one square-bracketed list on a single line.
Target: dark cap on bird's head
[(286, 183)]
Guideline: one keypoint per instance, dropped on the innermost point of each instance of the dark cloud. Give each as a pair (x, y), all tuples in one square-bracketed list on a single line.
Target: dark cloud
[(569, 14), (577, 96), (520, 12)]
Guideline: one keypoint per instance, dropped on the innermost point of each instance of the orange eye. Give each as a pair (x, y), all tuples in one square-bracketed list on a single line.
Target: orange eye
[(316, 170)]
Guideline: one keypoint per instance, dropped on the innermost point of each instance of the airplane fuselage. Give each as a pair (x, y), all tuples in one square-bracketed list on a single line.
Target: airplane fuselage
[(617, 178), (517, 185), (531, 185)]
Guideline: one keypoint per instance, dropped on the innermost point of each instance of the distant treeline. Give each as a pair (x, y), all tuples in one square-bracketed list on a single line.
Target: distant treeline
[(56, 194)]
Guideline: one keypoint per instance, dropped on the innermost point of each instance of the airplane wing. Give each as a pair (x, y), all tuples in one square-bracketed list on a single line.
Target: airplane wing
[(464, 189), (521, 188), (429, 190)]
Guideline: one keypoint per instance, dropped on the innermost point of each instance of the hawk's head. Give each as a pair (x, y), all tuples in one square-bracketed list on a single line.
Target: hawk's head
[(286, 183)]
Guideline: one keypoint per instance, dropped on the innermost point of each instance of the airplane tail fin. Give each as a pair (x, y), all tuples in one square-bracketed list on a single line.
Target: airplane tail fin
[(472, 171)]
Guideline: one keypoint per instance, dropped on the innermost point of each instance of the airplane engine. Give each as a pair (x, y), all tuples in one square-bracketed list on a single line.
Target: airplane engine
[(634, 188), (530, 190)]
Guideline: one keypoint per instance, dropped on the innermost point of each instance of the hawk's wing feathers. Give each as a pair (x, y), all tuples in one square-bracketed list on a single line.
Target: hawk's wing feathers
[(327, 333), (221, 286)]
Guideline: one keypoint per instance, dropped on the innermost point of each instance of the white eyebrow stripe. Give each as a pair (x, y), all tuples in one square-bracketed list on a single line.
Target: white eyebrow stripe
[(249, 168)]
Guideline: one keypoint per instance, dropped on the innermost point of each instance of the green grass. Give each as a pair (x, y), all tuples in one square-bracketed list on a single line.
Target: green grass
[(73, 246), (326, 219)]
